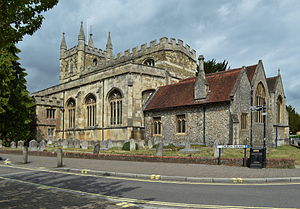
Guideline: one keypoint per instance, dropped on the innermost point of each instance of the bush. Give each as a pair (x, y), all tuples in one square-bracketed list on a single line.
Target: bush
[(126, 146)]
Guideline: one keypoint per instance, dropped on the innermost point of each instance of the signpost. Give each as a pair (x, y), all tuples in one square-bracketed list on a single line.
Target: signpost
[(233, 147)]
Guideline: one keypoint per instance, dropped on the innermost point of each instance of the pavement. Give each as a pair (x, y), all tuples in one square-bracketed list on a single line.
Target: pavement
[(160, 171)]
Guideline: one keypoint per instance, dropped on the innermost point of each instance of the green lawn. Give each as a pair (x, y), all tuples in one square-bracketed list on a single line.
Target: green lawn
[(280, 152)]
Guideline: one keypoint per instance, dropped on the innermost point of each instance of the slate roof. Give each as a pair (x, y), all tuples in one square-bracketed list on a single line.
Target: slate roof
[(272, 83), (220, 84)]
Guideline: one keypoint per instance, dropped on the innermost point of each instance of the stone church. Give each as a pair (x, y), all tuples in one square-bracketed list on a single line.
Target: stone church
[(150, 92)]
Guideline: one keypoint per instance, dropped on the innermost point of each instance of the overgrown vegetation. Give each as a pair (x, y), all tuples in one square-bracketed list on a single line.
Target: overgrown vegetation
[(294, 119), (212, 66)]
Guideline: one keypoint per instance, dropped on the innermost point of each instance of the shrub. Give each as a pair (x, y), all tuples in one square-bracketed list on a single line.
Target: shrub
[(126, 146)]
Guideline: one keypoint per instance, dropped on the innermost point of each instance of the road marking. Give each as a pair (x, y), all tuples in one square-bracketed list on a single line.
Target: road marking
[(155, 177), (84, 171), (151, 181), (137, 201), (125, 204), (7, 162), (16, 173), (237, 180)]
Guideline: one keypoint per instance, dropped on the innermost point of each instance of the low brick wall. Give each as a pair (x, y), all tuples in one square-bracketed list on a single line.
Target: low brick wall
[(271, 163)]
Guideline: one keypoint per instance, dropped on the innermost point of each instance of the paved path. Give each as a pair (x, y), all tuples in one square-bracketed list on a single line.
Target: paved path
[(167, 169)]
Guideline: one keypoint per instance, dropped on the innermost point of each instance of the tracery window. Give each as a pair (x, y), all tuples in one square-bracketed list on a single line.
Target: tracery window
[(149, 62), (115, 100), (90, 103), (260, 99), (181, 124), (279, 109), (95, 61), (244, 122), (71, 112), (157, 126)]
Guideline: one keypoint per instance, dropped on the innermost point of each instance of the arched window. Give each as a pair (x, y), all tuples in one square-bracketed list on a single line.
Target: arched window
[(95, 61), (260, 99), (90, 102), (71, 112), (279, 109), (115, 100), (149, 62)]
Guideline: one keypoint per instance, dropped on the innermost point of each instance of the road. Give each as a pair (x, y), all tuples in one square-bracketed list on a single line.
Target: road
[(87, 191)]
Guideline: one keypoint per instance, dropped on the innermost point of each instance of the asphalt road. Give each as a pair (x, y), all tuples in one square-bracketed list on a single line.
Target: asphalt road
[(74, 190)]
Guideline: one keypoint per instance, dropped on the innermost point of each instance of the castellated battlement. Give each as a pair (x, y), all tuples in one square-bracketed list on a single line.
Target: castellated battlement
[(48, 101), (88, 49), (163, 44)]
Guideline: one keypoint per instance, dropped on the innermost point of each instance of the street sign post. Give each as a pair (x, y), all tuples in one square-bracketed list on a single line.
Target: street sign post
[(233, 147)]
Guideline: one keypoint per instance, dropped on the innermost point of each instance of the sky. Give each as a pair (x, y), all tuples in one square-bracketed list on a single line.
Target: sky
[(239, 31)]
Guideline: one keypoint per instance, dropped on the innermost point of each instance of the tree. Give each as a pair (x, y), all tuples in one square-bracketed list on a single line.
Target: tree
[(294, 119), (211, 66), (17, 18)]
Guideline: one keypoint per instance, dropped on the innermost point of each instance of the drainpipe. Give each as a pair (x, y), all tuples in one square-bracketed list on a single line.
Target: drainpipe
[(103, 110)]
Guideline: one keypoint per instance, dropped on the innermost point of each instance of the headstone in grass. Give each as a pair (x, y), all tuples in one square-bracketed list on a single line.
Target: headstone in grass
[(141, 143), (64, 144), (150, 144), (159, 149), (103, 146), (20, 144), (96, 148), (77, 143), (85, 144), (109, 144), (132, 145), (42, 145), (33, 145), (50, 142), (216, 150), (188, 150), (13, 144), (71, 143)]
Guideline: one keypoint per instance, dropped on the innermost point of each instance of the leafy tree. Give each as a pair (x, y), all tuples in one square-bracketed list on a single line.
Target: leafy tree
[(211, 66), (17, 18), (294, 119)]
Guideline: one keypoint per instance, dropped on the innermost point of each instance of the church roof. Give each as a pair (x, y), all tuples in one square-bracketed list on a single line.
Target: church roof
[(272, 83), (221, 85)]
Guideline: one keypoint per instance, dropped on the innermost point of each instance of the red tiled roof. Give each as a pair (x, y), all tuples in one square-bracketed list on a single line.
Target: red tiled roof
[(179, 94)]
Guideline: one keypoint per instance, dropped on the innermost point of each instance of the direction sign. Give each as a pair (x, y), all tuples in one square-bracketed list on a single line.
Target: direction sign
[(232, 146)]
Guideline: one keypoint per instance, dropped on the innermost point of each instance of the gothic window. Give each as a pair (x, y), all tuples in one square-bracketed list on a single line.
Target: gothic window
[(115, 101), (50, 113), (181, 124), (71, 112), (95, 61), (90, 102), (157, 126), (244, 122), (260, 99), (50, 131), (279, 109), (149, 62)]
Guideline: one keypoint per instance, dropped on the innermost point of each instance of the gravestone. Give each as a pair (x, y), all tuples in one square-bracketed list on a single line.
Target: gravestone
[(50, 142), (150, 144), (13, 144), (0, 143), (42, 145), (71, 143), (20, 144), (188, 150), (96, 148), (77, 143), (132, 145), (109, 144), (159, 149), (33, 145), (85, 144), (65, 144), (103, 145), (141, 143), (216, 150)]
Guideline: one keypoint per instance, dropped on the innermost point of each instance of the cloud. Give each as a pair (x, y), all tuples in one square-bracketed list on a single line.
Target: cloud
[(241, 32)]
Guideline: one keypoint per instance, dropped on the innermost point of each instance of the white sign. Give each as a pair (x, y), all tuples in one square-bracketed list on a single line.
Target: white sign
[(233, 146)]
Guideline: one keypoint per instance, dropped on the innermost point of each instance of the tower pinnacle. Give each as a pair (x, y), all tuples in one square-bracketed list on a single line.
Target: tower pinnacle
[(91, 42), (81, 32), (63, 44), (109, 47)]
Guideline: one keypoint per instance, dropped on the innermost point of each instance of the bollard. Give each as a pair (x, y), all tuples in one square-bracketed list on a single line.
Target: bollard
[(59, 155), (25, 155)]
